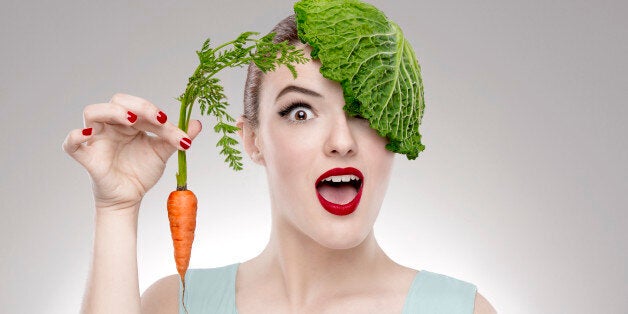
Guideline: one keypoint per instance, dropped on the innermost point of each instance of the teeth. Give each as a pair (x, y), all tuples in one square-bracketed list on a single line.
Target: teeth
[(345, 178)]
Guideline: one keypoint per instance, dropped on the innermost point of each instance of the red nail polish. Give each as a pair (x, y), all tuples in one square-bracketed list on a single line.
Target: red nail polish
[(162, 117), (185, 143), (132, 117), (87, 132)]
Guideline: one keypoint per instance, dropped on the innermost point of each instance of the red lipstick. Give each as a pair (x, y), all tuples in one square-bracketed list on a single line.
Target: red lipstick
[(340, 209)]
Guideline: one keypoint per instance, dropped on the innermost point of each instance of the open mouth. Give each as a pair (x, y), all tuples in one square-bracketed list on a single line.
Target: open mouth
[(339, 190)]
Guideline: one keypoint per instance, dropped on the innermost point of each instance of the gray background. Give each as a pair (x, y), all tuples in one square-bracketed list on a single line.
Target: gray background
[(522, 188)]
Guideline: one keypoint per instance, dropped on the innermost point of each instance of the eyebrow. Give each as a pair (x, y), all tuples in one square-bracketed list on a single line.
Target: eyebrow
[(293, 88)]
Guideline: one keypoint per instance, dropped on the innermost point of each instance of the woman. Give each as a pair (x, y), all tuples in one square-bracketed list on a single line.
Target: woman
[(322, 256)]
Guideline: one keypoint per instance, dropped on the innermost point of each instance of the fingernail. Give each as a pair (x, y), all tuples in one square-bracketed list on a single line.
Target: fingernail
[(185, 143), (132, 117), (162, 117), (87, 132)]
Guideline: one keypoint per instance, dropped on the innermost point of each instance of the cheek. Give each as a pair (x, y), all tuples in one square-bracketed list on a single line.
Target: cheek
[(288, 151), (384, 156), (374, 144), (379, 160)]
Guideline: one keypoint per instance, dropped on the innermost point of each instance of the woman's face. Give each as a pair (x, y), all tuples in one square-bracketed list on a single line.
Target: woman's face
[(304, 137)]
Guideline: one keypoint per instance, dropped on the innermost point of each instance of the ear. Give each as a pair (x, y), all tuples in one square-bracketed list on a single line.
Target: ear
[(250, 141)]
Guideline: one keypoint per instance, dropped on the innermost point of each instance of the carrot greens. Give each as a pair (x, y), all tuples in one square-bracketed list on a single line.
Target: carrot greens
[(206, 89)]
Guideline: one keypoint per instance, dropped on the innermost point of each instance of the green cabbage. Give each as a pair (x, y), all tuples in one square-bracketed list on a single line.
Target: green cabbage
[(365, 52)]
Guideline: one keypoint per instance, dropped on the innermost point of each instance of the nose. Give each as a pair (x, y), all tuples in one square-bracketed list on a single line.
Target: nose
[(340, 139)]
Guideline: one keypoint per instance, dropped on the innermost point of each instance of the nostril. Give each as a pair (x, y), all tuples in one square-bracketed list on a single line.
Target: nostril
[(340, 145), (350, 151)]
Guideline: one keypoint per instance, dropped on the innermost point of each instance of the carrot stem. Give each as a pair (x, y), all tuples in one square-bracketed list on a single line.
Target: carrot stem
[(187, 103), (182, 174)]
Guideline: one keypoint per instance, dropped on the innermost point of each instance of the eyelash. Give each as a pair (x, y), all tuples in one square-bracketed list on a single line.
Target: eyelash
[(287, 109)]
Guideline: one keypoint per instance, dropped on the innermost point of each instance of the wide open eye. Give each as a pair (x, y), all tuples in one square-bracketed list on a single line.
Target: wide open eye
[(297, 112), (301, 114)]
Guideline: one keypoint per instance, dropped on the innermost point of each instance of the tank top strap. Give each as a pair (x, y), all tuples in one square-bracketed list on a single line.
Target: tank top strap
[(433, 293), (209, 290)]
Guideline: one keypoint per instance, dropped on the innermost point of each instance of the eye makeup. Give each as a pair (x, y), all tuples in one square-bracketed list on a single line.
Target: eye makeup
[(297, 104)]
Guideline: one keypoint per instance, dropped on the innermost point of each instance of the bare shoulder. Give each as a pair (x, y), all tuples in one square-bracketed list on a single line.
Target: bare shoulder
[(162, 297), (482, 306)]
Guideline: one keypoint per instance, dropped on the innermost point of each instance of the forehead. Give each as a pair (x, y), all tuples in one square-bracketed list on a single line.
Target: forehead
[(308, 76)]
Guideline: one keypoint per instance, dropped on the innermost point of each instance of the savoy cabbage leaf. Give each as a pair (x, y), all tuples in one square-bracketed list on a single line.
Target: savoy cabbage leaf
[(365, 52)]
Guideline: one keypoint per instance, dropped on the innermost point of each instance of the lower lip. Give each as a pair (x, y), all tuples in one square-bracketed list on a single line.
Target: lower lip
[(341, 209), (338, 209)]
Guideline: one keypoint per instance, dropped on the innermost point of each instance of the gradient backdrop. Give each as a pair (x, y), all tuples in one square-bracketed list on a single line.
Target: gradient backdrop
[(522, 189)]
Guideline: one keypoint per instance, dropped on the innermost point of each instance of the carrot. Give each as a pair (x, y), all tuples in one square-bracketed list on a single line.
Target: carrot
[(182, 206)]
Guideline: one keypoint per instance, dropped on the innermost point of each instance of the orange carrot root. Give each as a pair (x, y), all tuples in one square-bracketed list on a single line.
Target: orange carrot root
[(182, 215)]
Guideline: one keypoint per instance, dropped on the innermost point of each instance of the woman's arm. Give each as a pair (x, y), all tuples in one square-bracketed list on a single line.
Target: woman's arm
[(113, 281)]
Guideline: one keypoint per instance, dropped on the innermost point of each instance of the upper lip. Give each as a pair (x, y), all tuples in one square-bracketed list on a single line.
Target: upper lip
[(340, 172)]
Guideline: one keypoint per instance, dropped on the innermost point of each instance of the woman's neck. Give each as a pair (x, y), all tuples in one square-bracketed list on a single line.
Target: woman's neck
[(307, 271)]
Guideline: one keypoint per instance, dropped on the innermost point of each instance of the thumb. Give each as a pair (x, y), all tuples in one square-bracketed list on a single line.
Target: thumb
[(194, 128)]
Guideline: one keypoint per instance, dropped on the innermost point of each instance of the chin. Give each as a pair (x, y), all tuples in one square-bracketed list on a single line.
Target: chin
[(341, 237), (341, 245)]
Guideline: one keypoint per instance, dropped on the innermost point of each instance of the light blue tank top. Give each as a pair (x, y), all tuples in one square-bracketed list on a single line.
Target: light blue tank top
[(212, 290)]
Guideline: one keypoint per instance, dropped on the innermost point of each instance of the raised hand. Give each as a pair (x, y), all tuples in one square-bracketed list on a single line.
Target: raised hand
[(122, 159)]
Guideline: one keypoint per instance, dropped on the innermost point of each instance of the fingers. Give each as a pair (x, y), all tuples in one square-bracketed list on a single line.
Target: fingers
[(95, 116), (194, 128), (150, 118), (128, 115), (73, 142), (165, 149), (145, 110)]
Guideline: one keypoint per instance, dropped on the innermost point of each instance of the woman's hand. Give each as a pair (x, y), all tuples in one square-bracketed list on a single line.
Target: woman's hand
[(123, 161)]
